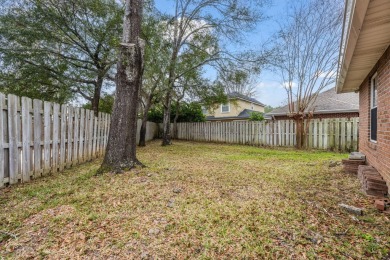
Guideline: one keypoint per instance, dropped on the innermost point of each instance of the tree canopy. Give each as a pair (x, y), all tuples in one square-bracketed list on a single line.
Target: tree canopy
[(54, 50), (189, 112)]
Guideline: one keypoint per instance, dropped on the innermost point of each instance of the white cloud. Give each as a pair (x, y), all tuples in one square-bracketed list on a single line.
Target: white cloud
[(200, 26), (275, 85), (327, 74), (289, 84), (268, 85), (271, 93)]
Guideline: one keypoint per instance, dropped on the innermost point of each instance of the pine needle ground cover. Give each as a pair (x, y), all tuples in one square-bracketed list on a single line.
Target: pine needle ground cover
[(196, 201)]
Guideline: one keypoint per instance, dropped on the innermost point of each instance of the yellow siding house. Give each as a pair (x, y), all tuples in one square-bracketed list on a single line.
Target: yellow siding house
[(238, 108)]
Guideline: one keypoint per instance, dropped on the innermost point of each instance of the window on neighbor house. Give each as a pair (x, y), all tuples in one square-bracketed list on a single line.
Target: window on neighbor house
[(225, 108), (373, 109)]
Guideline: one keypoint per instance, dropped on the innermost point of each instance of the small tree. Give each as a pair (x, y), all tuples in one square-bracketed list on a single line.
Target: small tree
[(256, 116), (121, 148), (156, 57), (196, 26), (105, 105), (307, 48), (268, 109), (188, 112)]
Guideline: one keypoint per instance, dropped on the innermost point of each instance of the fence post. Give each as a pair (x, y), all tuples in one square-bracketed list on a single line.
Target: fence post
[(326, 134), (342, 134), (315, 133), (81, 136), (331, 132), (70, 138), (337, 134), (95, 136), (91, 130), (86, 136), (349, 135), (56, 110), (76, 135), (2, 141), (26, 135), (62, 138), (355, 133), (13, 138)]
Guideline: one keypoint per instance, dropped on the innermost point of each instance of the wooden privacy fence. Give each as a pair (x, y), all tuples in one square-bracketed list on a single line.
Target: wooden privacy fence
[(340, 134), (37, 138)]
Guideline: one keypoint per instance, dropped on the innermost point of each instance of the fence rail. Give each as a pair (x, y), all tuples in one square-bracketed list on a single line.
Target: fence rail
[(340, 134)]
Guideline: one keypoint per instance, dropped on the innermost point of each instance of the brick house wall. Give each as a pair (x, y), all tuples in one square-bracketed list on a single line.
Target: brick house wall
[(324, 116), (378, 154)]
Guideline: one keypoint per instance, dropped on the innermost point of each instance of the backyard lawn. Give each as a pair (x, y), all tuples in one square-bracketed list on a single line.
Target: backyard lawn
[(196, 200)]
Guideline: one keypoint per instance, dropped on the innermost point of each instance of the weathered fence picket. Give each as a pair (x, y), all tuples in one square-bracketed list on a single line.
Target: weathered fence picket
[(13, 139), (38, 138), (2, 130), (339, 134)]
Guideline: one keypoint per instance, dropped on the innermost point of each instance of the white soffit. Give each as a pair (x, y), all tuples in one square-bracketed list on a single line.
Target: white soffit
[(368, 39)]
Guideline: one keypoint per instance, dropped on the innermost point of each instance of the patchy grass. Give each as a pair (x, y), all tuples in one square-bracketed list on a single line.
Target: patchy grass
[(196, 200)]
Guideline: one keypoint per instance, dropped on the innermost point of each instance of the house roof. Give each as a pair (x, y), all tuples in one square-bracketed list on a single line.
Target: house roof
[(245, 114), (236, 95), (328, 102), (365, 38)]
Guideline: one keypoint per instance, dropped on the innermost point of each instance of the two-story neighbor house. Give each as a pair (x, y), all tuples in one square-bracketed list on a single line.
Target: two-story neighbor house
[(239, 107), (365, 68)]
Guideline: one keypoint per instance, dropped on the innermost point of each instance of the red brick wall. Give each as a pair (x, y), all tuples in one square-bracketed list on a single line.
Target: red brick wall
[(378, 154), (323, 116)]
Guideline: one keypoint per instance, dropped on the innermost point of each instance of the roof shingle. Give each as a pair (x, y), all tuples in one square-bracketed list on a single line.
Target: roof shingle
[(327, 102), (233, 95)]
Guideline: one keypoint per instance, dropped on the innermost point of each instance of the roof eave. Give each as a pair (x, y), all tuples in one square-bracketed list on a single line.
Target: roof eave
[(250, 101), (349, 40), (336, 111), (364, 40)]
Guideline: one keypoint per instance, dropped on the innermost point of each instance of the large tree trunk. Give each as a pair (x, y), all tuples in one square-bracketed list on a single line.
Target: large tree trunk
[(299, 132), (142, 131), (96, 96), (166, 137), (121, 147), (175, 119)]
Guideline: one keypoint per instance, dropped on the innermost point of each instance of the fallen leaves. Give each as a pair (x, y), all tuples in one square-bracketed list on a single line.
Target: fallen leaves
[(196, 200)]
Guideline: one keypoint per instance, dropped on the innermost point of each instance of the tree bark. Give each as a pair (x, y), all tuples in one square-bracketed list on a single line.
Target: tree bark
[(299, 132), (121, 148), (96, 96), (166, 137), (175, 119)]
